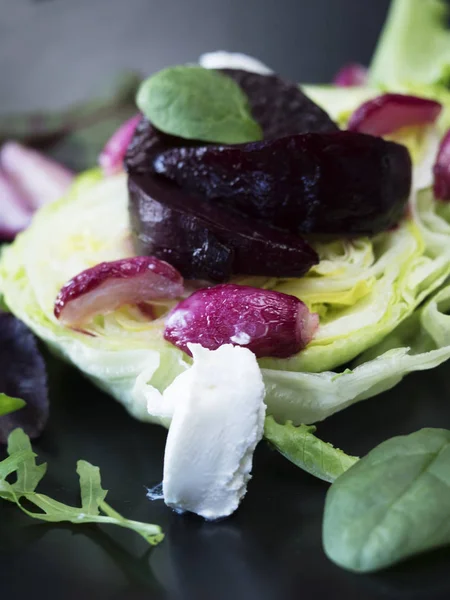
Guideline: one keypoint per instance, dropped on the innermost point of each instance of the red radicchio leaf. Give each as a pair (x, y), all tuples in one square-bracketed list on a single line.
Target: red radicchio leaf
[(38, 178), (113, 154), (14, 212), (390, 112), (110, 285), (441, 170), (266, 322), (351, 75)]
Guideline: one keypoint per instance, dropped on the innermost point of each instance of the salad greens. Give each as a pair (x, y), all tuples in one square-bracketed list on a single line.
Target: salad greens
[(200, 104), (383, 303), (9, 404), (363, 290), (304, 449), (414, 47), (392, 504), (22, 463)]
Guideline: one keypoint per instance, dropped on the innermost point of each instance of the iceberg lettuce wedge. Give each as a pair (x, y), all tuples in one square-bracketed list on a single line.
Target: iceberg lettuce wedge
[(364, 291)]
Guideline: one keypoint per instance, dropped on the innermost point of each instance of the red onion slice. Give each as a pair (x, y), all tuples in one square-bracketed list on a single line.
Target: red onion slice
[(441, 170), (113, 154), (40, 179), (351, 75), (385, 114), (268, 323), (110, 285), (14, 213)]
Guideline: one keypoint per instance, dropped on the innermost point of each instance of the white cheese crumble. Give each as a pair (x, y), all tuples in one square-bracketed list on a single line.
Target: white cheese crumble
[(218, 419), (233, 60)]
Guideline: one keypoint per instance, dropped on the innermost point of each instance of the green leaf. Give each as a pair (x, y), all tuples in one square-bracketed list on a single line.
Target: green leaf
[(22, 461), (92, 493), (9, 404), (304, 449), (414, 45), (198, 104), (29, 474), (12, 463), (392, 504)]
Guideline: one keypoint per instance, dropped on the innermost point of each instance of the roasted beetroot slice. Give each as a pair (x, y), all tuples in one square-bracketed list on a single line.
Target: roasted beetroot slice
[(266, 322), (279, 106), (339, 183), (147, 143), (110, 285), (204, 241), (200, 239), (22, 375)]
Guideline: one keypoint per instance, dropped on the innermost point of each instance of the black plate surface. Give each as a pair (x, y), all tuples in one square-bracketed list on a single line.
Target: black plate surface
[(269, 550)]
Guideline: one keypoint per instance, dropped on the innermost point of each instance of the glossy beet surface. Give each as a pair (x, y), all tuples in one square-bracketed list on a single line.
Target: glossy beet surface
[(22, 375), (390, 112), (266, 322), (279, 106), (110, 285), (342, 183), (201, 239)]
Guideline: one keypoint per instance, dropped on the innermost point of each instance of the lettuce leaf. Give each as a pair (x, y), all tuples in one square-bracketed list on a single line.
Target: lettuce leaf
[(305, 450), (414, 46), (363, 289), (9, 404)]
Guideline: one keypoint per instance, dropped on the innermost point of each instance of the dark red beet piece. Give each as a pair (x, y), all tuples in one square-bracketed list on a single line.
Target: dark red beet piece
[(342, 183), (390, 112), (441, 170), (279, 106), (204, 241), (200, 239), (110, 285), (22, 375), (266, 322)]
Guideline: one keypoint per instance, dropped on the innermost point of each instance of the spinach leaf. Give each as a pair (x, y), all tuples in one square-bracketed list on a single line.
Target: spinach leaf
[(22, 462), (394, 503), (9, 404), (304, 449), (198, 104)]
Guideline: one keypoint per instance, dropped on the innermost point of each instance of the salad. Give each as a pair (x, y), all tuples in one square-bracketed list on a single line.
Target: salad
[(250, 257)]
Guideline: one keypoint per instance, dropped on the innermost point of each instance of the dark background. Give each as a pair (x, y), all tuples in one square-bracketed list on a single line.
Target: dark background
[(55, 52)]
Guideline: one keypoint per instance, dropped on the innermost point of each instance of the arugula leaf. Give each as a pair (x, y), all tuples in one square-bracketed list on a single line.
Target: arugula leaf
[(92, 493), (304, 449), (22, 461), (414, 45), (9, 404), (198, 104), (29, 474), (392, 504)]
